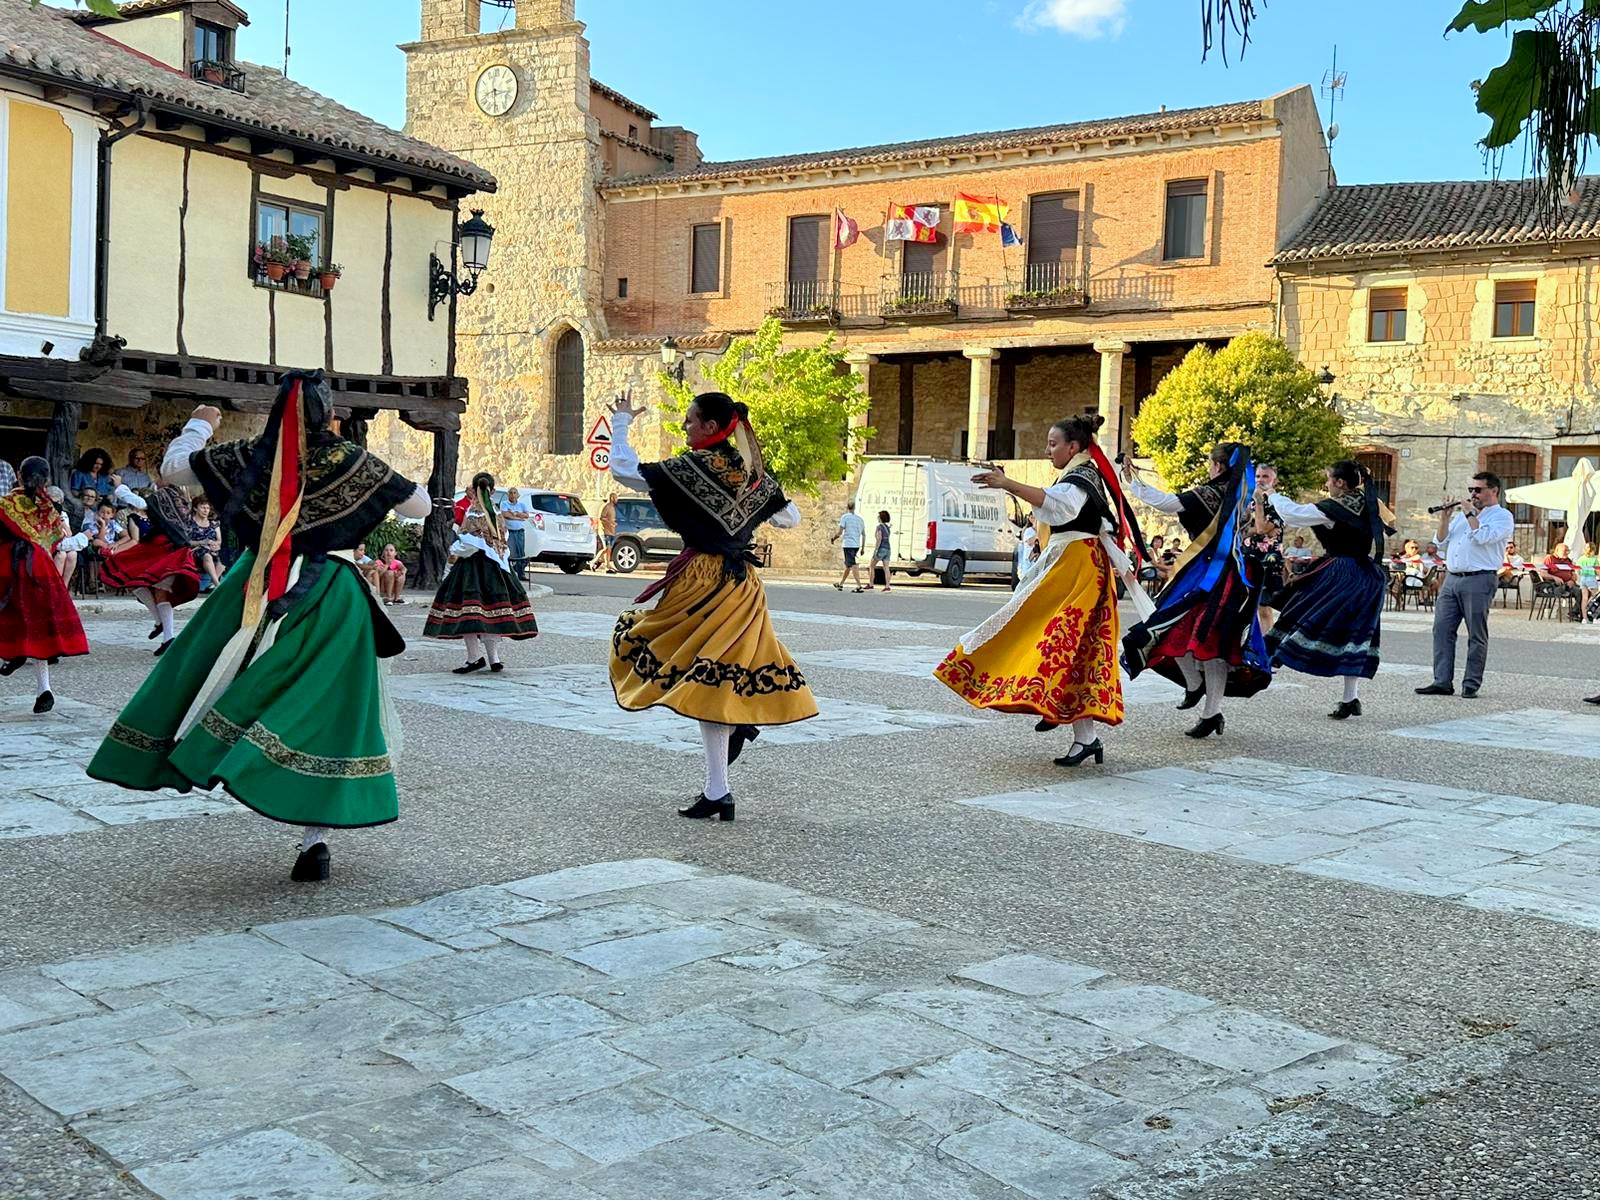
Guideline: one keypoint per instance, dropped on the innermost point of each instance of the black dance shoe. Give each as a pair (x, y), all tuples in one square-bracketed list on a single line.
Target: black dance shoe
[(1190, 699), (736, 740), (1079, 753), (703, 808), (312, 865), (1346, 710), (1436, 689), (497, 667), (154, 633), (1595, 700), (162, 649), (45, 701), (1045, 725), (10, 665), (1207, 726), (469, 668)]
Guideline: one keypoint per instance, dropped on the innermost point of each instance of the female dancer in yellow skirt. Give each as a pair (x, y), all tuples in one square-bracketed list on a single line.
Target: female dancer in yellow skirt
[(1052, 651), (707, 649)]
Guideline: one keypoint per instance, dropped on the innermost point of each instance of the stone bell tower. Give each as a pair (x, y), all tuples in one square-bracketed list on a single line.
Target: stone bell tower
[(505, 84)]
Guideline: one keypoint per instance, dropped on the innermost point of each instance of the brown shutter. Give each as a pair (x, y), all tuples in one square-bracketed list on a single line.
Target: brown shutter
[(1515, 291), (705, 274), (1052, 235), (1387, 300), (1187, 187), (808, 248)]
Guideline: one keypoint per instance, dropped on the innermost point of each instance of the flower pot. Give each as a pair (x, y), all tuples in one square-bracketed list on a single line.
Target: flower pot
[(276, 271), (328, 281), (302, 270)]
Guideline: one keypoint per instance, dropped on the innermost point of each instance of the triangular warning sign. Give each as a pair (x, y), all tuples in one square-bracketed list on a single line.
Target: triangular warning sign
[(600, 434)]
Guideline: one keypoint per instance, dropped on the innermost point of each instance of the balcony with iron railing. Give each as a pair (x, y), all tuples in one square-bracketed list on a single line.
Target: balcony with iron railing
[(219, 74), (804, 302), (930, 297), (1048, 287), (921, 296)]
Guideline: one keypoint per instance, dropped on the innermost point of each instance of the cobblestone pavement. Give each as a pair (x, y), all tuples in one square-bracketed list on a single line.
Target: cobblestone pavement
[(1306, 959)]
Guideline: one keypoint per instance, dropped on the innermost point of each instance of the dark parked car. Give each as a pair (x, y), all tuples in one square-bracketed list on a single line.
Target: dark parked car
[(641, 535)]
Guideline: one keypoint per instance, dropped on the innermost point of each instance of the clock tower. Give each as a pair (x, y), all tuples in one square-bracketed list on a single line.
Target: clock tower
[(505, 84)]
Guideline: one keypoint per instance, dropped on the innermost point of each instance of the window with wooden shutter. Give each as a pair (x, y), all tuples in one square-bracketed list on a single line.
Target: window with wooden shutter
[(705, 272), (1516, 468), (808, 257), (1513, 307), (1381, 464), (1052, 241), (567, 412), (1386, 315), (1186, 219)]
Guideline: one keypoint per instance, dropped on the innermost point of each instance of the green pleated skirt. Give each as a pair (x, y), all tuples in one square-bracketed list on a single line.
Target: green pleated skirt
[(297, 735)]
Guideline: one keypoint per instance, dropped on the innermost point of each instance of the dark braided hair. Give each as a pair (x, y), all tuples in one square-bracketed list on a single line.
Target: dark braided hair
[(720, 408), (1080, 429)]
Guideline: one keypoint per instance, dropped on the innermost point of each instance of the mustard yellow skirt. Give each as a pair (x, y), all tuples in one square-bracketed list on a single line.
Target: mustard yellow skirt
[(707, 650), (1052, 651)]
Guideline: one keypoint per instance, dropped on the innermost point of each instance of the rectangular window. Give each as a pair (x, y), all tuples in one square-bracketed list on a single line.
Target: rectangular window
[(633, 132), (1386, 319), (705, 272), (808, 260), (1381, 464), (622, 287), (1052, 240), (210, 43), (293, 228), (1186, 219), (1513, 308)]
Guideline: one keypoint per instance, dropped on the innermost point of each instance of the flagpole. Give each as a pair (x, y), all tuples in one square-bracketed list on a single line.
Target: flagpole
[(838, 257), (1005, 262)]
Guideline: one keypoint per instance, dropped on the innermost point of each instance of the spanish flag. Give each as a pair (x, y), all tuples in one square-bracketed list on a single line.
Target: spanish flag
[(979, 214)]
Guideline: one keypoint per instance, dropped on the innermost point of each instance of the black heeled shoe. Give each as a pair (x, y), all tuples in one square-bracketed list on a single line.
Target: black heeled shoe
[(1207, 726), (44, 702), (312, 865), (1346, 710), (10, 665), (736, 740), (497, 667), (162, 649), (1045, 725), (1076, 756), (153, 634), (469, 668), (1190, 699), (703, 808), (1592, 700)]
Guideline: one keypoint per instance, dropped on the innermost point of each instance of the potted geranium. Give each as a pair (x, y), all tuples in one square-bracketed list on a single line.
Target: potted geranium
[(328, 274), (300, 254), (274, 257)]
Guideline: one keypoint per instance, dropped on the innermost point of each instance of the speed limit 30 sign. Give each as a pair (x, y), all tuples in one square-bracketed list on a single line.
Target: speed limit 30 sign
[(600, 458)]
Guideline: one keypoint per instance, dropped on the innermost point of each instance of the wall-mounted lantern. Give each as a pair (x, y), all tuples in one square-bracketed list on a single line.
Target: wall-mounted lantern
[(474, 239)]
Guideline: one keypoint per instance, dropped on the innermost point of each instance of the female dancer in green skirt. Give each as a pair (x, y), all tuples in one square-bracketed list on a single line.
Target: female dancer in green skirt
[(273, 689)]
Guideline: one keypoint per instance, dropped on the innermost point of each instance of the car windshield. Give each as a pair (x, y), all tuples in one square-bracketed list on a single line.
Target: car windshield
[(641, 511), (561, 506)]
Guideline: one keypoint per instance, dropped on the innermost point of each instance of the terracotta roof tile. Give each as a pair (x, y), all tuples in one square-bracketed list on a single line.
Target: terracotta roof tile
[(618, 98), (45, 41), (1173, 121), (144, 8), (1386, 218)]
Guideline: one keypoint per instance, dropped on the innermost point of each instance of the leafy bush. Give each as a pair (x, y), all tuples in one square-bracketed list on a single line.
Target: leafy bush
[(1252, 391), (406, 539)]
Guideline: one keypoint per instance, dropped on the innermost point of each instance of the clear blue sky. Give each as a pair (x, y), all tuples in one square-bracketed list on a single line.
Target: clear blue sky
[(758, 77)]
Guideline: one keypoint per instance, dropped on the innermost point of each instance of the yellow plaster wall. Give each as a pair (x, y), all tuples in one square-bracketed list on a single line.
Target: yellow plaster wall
[(38, 211), (225, 314), (359, 215), (295, 187), (301, 331), (161, 37), (146, 196), (420, 345)]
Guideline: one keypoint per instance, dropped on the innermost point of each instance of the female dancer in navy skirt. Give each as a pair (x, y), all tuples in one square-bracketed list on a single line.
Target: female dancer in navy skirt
[(479, 600), (1329, 622), (1204, 633)]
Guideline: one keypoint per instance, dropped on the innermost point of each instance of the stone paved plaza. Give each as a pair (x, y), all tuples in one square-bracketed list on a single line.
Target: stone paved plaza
[(924, 962)]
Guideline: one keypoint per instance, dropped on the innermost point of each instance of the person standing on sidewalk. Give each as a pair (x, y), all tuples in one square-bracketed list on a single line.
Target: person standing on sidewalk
[(516, 511), (608, 536), (1473, 536), (852, 532)]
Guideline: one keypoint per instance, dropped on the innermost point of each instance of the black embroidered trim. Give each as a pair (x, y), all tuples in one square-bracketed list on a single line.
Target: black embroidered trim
[(747, 682)]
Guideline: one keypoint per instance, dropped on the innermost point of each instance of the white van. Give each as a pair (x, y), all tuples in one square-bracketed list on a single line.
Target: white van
[(939, 520)]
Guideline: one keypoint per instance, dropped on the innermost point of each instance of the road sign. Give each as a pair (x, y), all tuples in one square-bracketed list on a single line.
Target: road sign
[(600, 458), (600, 434)]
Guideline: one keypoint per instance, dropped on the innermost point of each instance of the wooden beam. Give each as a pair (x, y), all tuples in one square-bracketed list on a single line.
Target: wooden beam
[(79, 393), (261, 146), (216, 136), (169, 122), (304, 158)]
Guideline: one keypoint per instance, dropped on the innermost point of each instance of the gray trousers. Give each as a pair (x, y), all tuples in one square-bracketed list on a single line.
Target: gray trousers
[(1463, 598)]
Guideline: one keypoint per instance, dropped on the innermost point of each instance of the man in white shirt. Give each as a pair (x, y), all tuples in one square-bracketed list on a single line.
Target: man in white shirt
[(852, 532), (517, 513), (1473, 538)]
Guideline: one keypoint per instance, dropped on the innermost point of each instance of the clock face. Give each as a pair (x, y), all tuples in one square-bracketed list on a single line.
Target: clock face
[(497, 90)]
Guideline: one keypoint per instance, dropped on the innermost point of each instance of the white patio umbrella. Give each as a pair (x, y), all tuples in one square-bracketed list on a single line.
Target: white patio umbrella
[(1577, 495)]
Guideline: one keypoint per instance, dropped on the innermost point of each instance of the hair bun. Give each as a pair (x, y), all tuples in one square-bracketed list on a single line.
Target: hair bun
[(743, 409), (1095, 421)]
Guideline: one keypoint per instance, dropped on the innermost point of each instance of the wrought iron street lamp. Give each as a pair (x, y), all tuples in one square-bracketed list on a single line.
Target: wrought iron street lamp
[(672, 358), (473, 241)]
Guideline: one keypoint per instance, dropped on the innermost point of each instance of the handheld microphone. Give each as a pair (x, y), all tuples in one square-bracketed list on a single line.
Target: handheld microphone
[(1439, 508)]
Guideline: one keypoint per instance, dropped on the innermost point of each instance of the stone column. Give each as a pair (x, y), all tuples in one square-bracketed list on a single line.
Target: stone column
[(982, 359), (1111, 394), (861, 367)]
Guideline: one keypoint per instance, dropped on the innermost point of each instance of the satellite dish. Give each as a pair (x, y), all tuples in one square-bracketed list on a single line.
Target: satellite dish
[(1333, 131)]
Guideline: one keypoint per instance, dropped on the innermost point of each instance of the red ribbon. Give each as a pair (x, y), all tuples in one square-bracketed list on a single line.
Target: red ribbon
[(708, 442), (289, 438)]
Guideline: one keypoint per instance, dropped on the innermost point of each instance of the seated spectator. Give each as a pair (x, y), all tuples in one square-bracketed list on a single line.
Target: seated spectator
[(391, 576), (206, 536), (93, 472), (136, 474), (1158, 550), (1514, 566), (1430, 556), (1296, 554), (367, 565), (66, 560), (8, 478), (102, 526), (117, 531), (1559, 568)]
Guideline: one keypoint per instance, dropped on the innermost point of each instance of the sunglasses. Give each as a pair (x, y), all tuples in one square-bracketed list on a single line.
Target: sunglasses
[(1476, 489)]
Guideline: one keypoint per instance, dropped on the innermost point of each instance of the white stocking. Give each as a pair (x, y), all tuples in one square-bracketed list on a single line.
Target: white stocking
[(1352, 688), (1191, 672), (164, 615), (715, 738), (315, 835), (1216, 672), (41, 674), (474, 646), (1082, 732), (147, 598), (492, 645)]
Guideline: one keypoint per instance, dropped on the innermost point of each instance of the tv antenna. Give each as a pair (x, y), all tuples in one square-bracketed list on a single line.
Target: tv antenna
[(1333, 81)]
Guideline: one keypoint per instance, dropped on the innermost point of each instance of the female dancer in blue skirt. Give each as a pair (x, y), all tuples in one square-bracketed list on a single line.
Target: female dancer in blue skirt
[(1329, 622)]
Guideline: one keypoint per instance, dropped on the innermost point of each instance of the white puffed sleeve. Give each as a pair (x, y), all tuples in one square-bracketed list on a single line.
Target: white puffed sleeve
[(1162, 502), (1062, 502), (624, 459), (1299, 516), (175, 462), (786, 517)]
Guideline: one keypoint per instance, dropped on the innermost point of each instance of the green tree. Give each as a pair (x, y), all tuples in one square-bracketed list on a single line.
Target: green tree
[(801, 403), (104, 8), (1544, 91), (1252, 391)]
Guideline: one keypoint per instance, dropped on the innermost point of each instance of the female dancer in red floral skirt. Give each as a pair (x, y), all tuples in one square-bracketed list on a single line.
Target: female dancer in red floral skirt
[(160, 568), (37, 617)]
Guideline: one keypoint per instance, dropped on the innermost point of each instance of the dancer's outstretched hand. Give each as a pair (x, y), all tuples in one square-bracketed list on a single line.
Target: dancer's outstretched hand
[(209, 414), (990, 479), (624, 404)]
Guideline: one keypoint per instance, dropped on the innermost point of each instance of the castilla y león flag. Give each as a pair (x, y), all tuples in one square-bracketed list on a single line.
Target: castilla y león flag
[(912, 223), (845, 231), (979, 214)]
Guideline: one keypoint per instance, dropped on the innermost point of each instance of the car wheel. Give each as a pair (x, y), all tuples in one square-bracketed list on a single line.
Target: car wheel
[(573, 565), (954, 572), (625, 555)]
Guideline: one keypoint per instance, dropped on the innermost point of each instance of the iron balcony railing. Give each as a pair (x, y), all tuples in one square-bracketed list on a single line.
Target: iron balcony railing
[(804, 300), (220, 74), (921, 294), (1048, 285)]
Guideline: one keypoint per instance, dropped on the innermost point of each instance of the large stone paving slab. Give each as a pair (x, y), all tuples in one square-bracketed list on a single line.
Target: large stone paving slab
[(1478, 848), (598, 1033), (1545, 730), (578, 697), (43, 788)]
